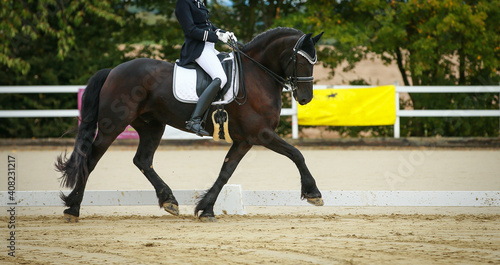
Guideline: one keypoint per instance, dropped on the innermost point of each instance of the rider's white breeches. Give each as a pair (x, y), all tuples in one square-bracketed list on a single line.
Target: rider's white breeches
[(210, 63)]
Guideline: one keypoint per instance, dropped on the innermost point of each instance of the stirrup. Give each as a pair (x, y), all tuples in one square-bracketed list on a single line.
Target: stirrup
[(194, 125)]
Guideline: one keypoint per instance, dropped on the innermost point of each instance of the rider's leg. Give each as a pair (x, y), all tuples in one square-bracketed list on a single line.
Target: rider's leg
[(204, 102), (210, 63)]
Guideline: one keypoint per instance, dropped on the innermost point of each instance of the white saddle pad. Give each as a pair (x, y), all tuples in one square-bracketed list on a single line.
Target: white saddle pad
[(184, 84)]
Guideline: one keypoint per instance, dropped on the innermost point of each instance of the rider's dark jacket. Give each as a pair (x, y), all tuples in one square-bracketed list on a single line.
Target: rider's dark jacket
[(194, 19)]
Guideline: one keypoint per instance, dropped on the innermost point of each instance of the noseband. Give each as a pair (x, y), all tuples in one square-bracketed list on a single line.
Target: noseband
[(294, 80)]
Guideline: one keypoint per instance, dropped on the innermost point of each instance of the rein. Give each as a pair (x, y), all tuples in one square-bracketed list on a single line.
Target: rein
[(282, 81), (291, 80)]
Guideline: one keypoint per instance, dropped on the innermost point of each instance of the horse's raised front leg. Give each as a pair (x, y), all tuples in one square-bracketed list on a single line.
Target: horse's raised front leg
[(233, 158), (309, 189), (150, 134)]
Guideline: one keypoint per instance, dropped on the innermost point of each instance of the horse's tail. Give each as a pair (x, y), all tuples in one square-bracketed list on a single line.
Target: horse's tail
[(75, 169)]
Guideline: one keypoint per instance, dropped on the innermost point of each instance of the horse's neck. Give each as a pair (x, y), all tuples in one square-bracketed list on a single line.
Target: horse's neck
[(267, 84), (270, 56)]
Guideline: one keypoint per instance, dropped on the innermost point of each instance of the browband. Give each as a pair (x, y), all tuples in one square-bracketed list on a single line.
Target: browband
[(308, 57)]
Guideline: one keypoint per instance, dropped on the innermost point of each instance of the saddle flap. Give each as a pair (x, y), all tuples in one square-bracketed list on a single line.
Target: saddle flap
[(193, 75), (203, 79)]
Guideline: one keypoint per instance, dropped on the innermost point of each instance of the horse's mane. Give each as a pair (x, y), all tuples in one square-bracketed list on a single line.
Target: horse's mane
[(265, 37)]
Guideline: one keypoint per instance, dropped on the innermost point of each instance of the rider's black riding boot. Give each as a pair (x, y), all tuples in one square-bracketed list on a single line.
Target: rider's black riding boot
[(203, 104)]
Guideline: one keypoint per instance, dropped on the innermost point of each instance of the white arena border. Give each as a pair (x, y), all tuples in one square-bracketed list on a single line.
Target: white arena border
[(232, 199)]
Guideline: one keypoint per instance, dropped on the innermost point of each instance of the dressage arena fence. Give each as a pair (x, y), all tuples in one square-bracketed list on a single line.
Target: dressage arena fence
[(233, 200), (171, 133)]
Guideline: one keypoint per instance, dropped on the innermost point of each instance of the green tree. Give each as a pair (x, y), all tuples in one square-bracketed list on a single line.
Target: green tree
[(247, 18), (449, 42), (433, 42), (155, 31), (53, 43), (24, 22)]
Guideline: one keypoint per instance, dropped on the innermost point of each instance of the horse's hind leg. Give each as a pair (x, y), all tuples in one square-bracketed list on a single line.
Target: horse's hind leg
[(150, 133), (74, 199), (233, 158)]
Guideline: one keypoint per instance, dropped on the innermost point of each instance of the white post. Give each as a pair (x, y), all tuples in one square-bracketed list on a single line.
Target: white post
[(295, 120), (230, 201), (396, 123)]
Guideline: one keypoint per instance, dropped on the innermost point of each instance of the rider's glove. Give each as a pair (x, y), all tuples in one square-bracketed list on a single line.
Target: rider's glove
[(232, 36), (223, 36)]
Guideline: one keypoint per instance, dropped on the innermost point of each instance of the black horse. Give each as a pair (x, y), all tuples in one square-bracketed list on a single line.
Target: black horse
[(139, 93)]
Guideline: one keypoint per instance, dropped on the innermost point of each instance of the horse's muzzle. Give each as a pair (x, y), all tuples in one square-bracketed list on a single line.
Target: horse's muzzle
[(302, 100)]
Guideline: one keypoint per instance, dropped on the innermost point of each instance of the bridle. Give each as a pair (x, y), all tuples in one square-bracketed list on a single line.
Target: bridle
[(294, 79), (291, 80)]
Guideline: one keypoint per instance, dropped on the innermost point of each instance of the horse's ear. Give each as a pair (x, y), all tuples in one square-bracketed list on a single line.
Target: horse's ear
[(306, 45), (316, 39), (307, 38)]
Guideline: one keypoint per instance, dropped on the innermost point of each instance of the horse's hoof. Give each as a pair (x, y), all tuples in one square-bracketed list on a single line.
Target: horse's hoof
[(208, 219), (70, 218), (316, 201), (171, 208)]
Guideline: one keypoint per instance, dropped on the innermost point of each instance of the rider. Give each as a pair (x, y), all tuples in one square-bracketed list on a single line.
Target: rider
[(200, 36)]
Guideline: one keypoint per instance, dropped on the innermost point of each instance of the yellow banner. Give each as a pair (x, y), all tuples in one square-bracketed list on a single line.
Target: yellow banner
[(350, 107)]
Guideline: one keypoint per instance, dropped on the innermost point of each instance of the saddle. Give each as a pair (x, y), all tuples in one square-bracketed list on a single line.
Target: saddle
[(191, 80)]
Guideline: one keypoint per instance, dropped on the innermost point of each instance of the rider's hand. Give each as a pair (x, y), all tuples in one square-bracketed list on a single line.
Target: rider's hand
[(233, 37), (223, 36)]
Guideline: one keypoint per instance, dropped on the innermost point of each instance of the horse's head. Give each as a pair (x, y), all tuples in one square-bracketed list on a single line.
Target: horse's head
[(297, 56), (300, 68)]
